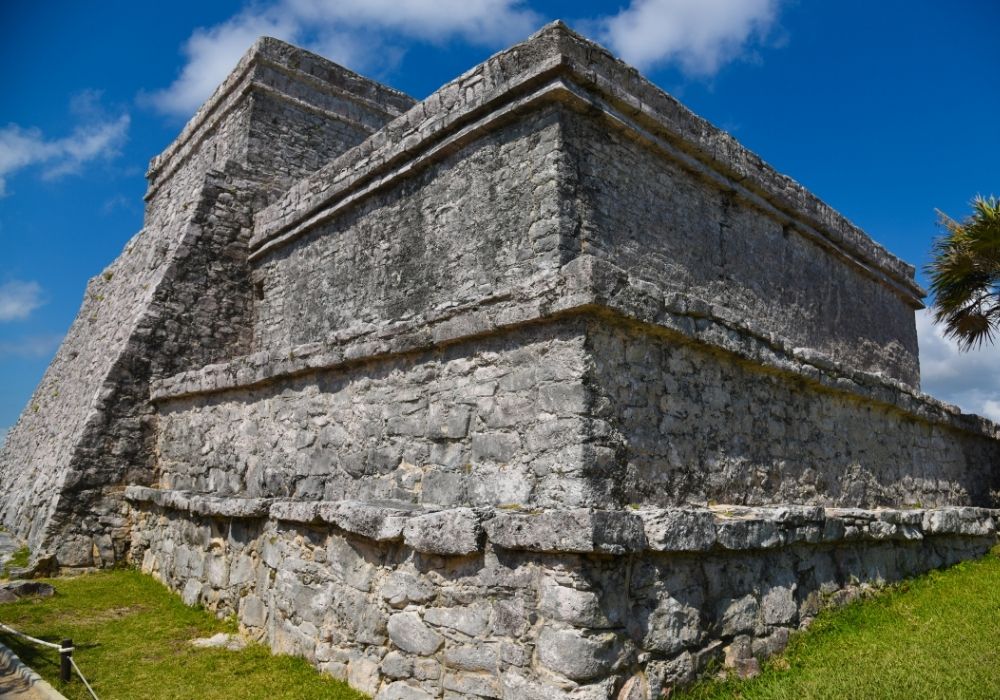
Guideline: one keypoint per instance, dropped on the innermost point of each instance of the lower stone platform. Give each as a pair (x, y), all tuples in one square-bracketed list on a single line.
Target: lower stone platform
[(406, 601)]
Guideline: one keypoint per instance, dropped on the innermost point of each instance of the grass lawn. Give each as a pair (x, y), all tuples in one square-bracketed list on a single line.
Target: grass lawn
[(937, 636), (131, 637)]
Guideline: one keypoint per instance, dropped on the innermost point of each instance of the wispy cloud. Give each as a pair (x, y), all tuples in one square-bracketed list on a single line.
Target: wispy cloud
[(96, 136), (18, 299), (699, 36), (970, 380), (31, 347), (361, 34)]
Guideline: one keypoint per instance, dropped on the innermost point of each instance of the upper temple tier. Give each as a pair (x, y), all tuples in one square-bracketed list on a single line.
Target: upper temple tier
[(555, 152)]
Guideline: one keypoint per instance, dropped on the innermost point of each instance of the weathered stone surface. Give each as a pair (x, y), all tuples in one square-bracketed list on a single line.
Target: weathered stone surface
[(577, 655), (230, 642), (14, 590), (401, 690), (381, 522), (530, 390), (471, 620), (678, 530), (455, 531), (409, 633), (583, 530)]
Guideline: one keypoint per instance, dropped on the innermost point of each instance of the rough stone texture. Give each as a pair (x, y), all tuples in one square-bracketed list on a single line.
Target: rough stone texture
[(513, 623), (179, 296), (443, 396)]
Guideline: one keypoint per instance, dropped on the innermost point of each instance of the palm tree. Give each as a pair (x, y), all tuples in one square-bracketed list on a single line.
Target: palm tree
[(965, 275)]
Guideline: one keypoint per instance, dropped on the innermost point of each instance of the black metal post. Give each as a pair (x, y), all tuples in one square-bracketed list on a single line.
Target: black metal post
[(64, 665)]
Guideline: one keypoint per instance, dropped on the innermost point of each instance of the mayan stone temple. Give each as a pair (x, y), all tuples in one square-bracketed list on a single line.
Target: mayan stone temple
[(540, 388)]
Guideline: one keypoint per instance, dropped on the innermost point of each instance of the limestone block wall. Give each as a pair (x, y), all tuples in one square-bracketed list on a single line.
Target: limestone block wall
[(497, 421), (638, 181), (647, 213), (596, 406), (178, 296), (482, 221), (486, 603), (689, 424)]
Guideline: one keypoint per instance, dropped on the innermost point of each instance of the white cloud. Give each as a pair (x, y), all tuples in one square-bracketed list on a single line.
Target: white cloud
[(3, 435), (98, 136), (18, 299), (970, 380), (360, 34), (700, 36), (32, 347)]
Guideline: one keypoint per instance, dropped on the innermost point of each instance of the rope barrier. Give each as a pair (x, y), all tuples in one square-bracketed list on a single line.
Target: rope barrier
[(65, 654), (85, 683), (42, 642)]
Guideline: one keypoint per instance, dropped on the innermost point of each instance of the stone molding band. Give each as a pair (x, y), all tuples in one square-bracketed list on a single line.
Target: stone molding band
[(463, 531), (586, 285)]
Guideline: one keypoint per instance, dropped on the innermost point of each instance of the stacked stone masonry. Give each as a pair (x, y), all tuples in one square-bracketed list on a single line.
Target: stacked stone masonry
[(444, 395)]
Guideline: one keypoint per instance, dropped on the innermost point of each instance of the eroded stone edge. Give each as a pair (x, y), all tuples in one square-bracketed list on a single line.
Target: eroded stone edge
[(464, 530)]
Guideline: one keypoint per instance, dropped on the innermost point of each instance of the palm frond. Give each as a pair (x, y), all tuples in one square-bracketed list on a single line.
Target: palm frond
[(965, 274)]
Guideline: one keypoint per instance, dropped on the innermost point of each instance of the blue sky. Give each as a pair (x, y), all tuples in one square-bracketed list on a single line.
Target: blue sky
[(886, 110)]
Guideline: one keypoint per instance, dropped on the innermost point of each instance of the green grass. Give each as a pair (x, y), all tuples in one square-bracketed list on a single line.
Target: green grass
[(937, 636), (18, 559), (131, 637)]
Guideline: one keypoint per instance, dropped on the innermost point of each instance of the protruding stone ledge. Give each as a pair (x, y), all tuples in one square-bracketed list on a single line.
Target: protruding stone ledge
[(586, 285), (463, 530), (578, 530)]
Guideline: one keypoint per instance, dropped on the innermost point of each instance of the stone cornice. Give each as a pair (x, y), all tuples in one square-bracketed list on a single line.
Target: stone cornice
[(465, 530), (288, 60), (585, 286), (556, 64)]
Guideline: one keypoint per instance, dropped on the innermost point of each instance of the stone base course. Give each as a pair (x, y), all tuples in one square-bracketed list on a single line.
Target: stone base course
[(421, 602)]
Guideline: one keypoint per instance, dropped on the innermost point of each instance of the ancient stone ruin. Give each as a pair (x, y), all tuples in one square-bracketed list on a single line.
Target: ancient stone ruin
[(542, 387)]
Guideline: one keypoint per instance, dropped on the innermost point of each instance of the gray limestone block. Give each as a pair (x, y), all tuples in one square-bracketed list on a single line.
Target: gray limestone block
[(457, 531), (408, 632), (472, 620), (402, 587), (737, 615), (518, 685), (253, 611), (401, 690), (577, 654), (191, 594), (294, 511), (472, 684), (581, 608), (665, 675), (139, 494), (229, 507), (396, 665), (376, 521), (678, 530), (578, 530), (963, 521), (738, 533), (75, 551), (472, 657), (778, 606), (671, 624), (363, 674)]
